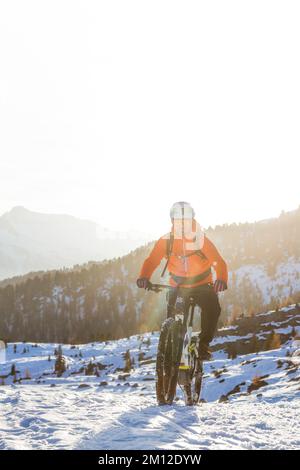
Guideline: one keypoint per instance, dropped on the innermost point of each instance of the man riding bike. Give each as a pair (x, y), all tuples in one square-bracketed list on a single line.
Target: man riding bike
[(190, 256)]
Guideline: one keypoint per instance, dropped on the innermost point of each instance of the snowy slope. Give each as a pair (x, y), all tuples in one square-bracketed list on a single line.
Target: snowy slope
[(117, 410), (283, 283)]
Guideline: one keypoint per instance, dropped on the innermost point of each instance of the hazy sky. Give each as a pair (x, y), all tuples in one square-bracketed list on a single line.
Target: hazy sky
[(113, 110)]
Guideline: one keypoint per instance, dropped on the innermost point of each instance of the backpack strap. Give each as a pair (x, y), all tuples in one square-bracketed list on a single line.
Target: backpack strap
[(169, 248), (198, 253), (170, 242)]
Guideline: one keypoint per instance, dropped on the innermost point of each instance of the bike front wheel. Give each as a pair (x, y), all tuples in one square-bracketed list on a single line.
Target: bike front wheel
[(168, 359), (192, 387)]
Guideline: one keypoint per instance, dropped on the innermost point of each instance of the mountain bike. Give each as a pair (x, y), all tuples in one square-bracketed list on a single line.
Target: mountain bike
[(178, 360)]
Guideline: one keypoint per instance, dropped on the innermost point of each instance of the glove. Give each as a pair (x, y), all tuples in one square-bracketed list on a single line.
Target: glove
[(219, 286), (143, 283)]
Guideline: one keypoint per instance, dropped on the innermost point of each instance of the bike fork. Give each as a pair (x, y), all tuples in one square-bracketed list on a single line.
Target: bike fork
[(184, 377)]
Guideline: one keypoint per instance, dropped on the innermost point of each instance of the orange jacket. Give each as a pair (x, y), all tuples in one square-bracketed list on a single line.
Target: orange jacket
[(194, 265)]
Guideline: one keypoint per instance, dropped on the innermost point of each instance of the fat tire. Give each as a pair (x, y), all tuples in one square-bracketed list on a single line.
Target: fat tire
[(168, 359)]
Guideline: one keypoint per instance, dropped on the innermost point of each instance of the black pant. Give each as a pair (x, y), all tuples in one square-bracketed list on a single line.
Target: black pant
[(207, 300)]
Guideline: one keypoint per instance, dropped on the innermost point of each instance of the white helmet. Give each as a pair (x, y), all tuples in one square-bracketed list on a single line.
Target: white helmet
[(182, 210)]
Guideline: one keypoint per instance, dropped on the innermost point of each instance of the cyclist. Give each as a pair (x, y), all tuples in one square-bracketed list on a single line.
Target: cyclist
[(190, 256)]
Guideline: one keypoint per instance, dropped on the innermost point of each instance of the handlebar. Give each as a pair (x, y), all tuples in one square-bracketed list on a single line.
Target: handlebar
[(160, 287)]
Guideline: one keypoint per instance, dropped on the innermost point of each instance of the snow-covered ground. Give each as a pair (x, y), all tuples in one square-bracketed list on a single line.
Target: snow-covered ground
[(39, 417), (118, 411)]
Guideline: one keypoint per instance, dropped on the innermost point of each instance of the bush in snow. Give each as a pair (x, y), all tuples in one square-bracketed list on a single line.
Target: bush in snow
[(257, 382), (91, 369)]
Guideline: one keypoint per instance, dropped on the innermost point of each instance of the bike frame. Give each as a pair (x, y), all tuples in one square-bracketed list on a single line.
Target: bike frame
[(185, 362), (186, 319)]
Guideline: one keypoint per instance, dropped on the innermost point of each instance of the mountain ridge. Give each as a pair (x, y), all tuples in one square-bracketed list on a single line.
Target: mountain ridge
[(35, 241)]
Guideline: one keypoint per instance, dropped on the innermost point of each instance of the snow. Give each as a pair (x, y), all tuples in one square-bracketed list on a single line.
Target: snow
[(211, 426), (50, 412), (277, 286), (231, 339)]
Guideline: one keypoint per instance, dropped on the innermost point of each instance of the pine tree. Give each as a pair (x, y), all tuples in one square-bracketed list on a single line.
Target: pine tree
[(90, 368), (128, 362), (254, 344), (274, 341), (60, 363), (231, 351)]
